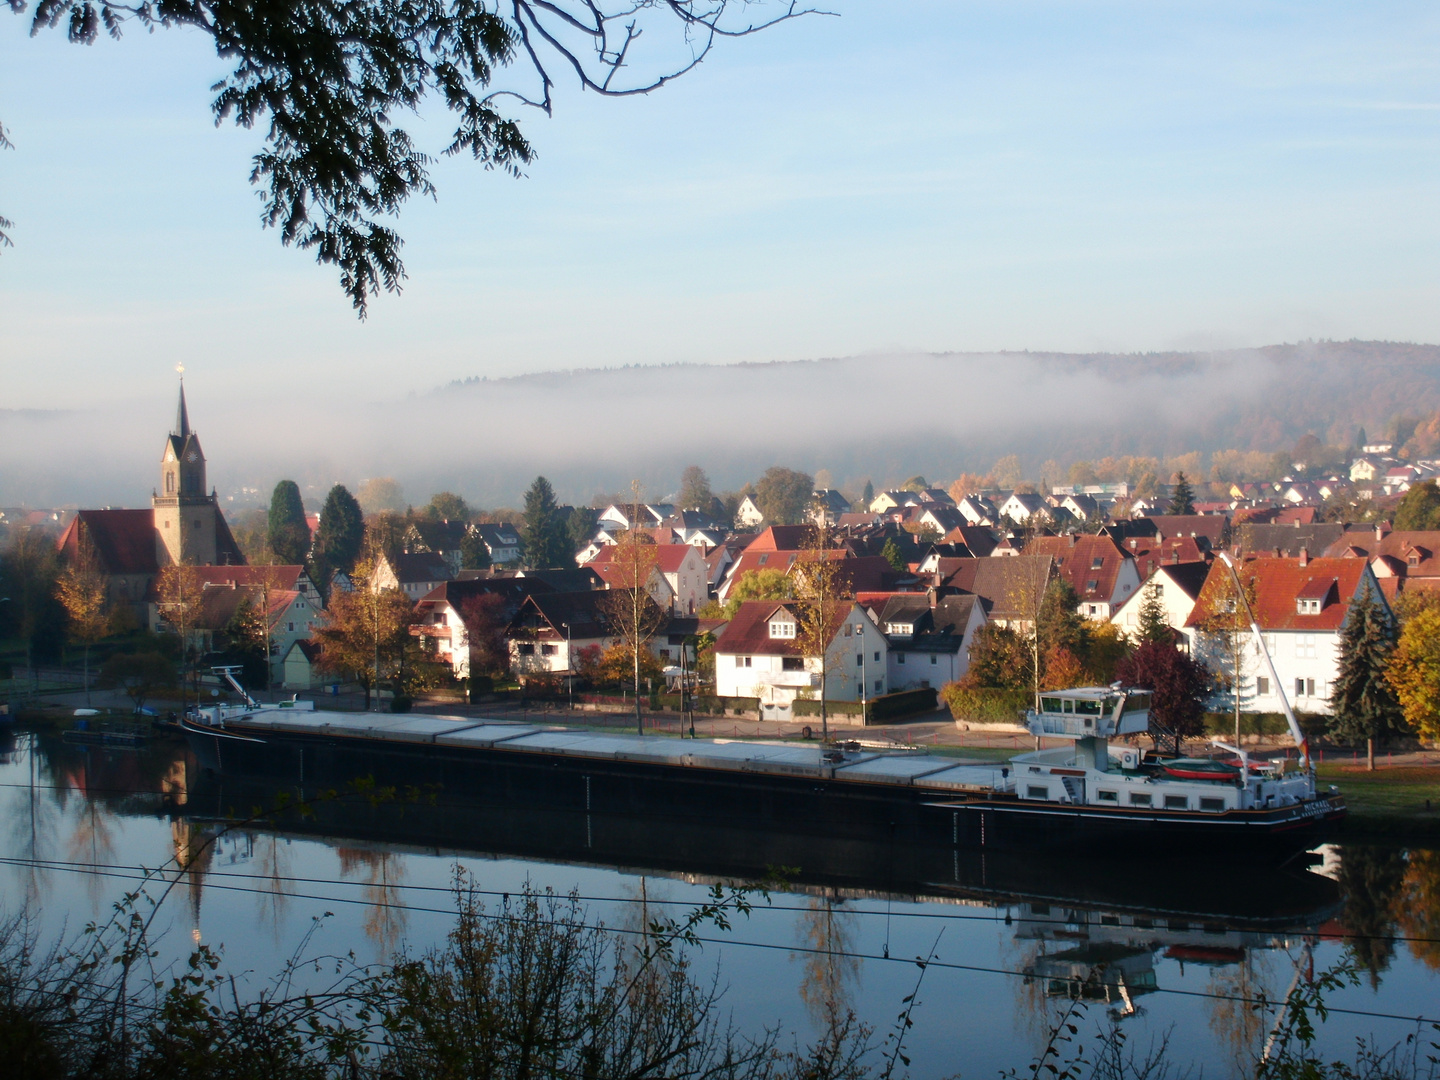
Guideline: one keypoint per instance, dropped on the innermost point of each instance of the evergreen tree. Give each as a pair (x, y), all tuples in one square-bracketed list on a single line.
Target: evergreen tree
[(474, 553), (579, 528), (1182, 499), (891, 554), (542, 541), (1363, 705), (1059, 622), (868, 495), (1153, 625), (288, 532), (339, 536)]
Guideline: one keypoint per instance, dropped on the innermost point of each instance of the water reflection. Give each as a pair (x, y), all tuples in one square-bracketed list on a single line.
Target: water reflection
[(828, 931), (383, 875)]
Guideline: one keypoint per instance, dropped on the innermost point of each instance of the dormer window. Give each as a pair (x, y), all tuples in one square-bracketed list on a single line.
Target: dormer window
[(1097, 562), (1307, 606), (900, 629), (782, 628), (1091, 585), (1413, 558)]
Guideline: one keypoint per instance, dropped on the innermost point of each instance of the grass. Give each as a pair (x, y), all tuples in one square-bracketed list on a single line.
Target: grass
[(1389, 801)]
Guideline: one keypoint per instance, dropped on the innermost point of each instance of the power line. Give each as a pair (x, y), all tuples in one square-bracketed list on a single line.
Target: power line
[(847, 954)]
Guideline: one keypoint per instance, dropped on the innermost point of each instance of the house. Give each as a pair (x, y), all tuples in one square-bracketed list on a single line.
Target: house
[(297, 666), (1020, 506), (829, 504), (679, 581), (979, 540), (442, 538), (1150, 553), (1289, 541), (290, 616), (1102, 574), (550, 629), (1209, 530), (414, 575), (748, 515), (440, 616), (635, 515), (929, 637), (1009, 588), (502, 541), (757, 655), (1083, 507), (939, 519), (1300, 605), (1409, 558), (978, 510), (1176, 586), (886, 502), (936, 497)]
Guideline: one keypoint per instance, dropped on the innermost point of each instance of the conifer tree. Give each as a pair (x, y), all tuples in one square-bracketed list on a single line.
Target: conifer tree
[(339, 536), (1182, 499), (868, 495), (891, 553), (289, 533), (1363, 705), (542, 541), (1152, 624)]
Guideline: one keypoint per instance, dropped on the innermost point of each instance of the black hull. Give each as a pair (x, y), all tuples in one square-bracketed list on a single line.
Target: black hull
[(817, 807)]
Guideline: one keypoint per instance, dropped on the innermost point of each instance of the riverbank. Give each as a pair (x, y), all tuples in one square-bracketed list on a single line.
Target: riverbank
[(1397, 803)]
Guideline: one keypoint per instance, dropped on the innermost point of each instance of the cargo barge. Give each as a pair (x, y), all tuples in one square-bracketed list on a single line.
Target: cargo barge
[(1085, 797)]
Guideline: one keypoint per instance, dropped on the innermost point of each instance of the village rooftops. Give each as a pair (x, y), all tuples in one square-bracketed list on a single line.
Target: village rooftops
[(1290, 594)]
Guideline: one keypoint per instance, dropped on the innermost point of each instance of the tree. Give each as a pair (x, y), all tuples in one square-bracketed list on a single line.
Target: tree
[(138, 674), (867, 496), (1152, 625), (29, 569), (1420, 508), (82, 592), (381, 493), (1362, 703), (1105, 646), (333, 78), (1182, 497), (288, 531), (1058, 624), (1414, 673), (365, 631), (1007, 471), (446, 506), (819, 595), (915, 484), (1225, 636), (542, 540), (783, 495), (1178, 683), (999, 659), (631, 611), (891, 553), (474, 552), (248, 637), (486, 648), (181, 596), (339, 536), (579, 529), (695, 493), (766, 583)]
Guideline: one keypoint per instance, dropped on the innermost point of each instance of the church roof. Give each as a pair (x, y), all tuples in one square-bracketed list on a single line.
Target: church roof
[(124, 540), (182, 416)]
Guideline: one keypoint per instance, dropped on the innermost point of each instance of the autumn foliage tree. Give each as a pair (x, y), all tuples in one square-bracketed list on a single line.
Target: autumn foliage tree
[(1414, 672), (365, 633), (82, 592), (485, 620), (631, 611), (1179, 684)]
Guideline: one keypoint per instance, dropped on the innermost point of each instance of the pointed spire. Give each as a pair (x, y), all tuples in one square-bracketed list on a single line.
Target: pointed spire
[(182, 417)]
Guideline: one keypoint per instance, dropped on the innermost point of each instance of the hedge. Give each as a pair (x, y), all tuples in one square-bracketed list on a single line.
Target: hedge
[(987, 705), (713, 706), (878, 710)]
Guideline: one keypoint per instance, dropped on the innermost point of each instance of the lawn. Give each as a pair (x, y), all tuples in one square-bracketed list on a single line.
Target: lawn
[(1389, 800)]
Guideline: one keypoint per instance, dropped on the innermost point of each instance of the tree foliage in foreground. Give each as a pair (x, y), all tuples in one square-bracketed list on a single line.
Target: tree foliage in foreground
[(1363, 707), (332, 80), (1414, 673), (1179, 683)]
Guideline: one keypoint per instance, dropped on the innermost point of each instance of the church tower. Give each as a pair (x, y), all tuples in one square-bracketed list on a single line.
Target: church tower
[(186, 518)]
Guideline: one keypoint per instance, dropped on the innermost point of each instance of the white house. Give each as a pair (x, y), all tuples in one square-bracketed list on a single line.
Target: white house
[(680, 579), (414, 575), (1021, 505), (748, 515), (757, 656), (1300, 605), (929, 639), (1102, 574), (1176, 585)]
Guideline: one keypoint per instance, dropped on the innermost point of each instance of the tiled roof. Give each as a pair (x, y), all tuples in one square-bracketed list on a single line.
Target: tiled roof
[(1397, 548), (276, 577), (668, 558), (1007, 585), (1091, 564), (748, 632), (419, 567), (548, 613), (1210, 527), (1279, 583), (124, 540), (782, 538), (1290, 539)]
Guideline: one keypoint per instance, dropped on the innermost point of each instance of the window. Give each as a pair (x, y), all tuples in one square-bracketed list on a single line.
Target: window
[(1138, 798), (1307, 606), (792, 663), (1097, 562), (1036, 791), (169, 483), (1305, 646), (900, 658), (763, 559), (1108, 796), (848, 629), (1212, 804), (877, 656), (548, 650), (879, 686), (782, 628), (1304, 687), (934, 659), (859, 659), (290, 628), (742, 661), (525, 648), (1177, 802), (1262, 686)]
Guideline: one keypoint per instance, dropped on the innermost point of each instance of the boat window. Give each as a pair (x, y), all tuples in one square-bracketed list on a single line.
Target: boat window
[(1069, 706), (1212, 804), (1138, 798), (1108, 796), (1034, 791), (1050, 704), (1088, 708), (1177, 802), (1109, 920), (1039, 909)]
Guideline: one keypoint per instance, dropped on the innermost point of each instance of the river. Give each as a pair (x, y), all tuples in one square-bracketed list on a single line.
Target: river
[(1170, 951)]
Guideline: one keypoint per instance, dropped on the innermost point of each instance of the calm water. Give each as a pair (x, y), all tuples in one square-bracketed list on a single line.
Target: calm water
[(1173, 948)]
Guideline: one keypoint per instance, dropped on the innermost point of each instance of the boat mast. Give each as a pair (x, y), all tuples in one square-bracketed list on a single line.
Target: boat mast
[(1295, 733)]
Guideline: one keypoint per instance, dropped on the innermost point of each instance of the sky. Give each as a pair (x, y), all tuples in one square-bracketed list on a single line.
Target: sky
[(914, 176)]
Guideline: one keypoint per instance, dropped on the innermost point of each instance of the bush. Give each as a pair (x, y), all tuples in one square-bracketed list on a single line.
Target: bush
[(900, 704), (985, 705), (401, 703)]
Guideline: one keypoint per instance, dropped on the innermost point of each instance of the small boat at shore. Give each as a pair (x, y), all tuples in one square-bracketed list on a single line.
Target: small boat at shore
[(1200, 769)]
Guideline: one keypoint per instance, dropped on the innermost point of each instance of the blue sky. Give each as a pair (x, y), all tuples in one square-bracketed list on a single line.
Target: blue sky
[(911, 175)]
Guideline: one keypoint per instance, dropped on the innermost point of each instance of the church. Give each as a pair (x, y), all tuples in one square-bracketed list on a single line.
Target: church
[(184, 525)]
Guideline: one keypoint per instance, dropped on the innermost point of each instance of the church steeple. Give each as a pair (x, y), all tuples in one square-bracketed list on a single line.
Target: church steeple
[(182, 417)]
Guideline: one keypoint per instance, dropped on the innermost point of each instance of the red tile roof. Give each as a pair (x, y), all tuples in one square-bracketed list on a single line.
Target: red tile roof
[(1412, 553), (124, 540), (1077, 556), (748, 632), (1279, 583)]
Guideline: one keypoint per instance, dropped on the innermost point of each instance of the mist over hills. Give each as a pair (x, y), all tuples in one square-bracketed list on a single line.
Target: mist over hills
[(877, 416)]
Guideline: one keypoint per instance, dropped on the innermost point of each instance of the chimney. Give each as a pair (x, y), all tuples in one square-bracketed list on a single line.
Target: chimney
[(1304, 555), (935, 583), (1379, 533), (932, 591)]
